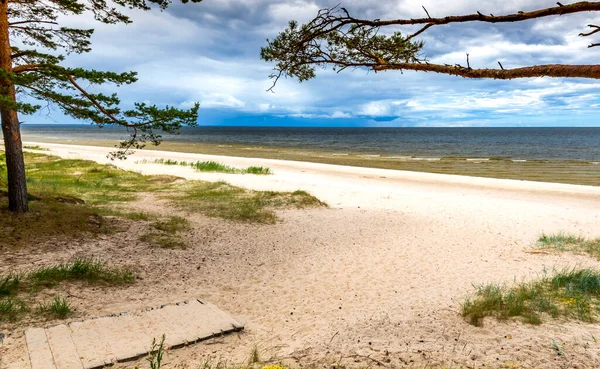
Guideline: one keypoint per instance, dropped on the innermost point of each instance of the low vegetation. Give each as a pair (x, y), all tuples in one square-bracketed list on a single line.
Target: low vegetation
[(58, 308), (19, 290), (35, 147), (166, 233), (571, 294), (86, 270), (78, 198), (211, 166), (220, 199), (570, 243)]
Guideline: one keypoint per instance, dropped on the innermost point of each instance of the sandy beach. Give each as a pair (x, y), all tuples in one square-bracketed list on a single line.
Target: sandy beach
[(374, 280)]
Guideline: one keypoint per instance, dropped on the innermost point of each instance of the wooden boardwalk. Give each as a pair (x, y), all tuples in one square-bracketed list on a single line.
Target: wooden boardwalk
[(97, 342)]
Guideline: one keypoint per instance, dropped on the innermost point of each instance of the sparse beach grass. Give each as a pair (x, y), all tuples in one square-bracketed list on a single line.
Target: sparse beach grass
[(570, 243), (18, 291), (220, 199), (73, 198), (211, 166), (34, 147), (573, 293), (166, 234), (57, 308)]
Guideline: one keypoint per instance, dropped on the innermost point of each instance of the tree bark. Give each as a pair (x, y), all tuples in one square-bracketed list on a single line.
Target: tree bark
[(15, 165)]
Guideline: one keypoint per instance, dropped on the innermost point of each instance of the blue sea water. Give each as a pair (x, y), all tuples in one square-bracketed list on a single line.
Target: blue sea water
[(513, 143)]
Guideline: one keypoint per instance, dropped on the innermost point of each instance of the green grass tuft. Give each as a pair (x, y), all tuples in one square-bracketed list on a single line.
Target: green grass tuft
[(569, 293), (11, 309), (258, 170), (35, 147), (211, 166), (9, 284), (570, 243), (220, 199), (172, 225), (81, 269), (164, 241), (58, 308)]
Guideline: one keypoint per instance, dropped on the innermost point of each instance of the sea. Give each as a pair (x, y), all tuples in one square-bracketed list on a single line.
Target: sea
[(580, 144)]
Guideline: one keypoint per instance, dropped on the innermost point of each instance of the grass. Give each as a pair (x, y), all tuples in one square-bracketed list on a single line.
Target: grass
[(570, 243), (80, 269), (13, 286), (12, 309), (172, 225), (164, 241), (573, 294), (9, 284), (58, 308), (167, 231), (36, 147), (49, 177), (67, 196), (212, 166), (220, 199)]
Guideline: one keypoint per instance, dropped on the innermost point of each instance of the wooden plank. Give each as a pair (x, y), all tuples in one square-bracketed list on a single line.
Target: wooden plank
[(63, 349), (226, 317), (105, 337), (193, 321), (90, 345), (98, 342), (40, 355), (159, 323), (117, 337), (134, 333)]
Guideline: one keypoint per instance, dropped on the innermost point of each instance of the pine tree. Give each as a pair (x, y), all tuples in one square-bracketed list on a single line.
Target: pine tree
[(337, 39), (35, 70)]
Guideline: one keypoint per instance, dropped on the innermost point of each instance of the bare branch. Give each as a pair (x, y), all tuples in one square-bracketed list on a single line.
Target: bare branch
[(426, 12), (596, 29)]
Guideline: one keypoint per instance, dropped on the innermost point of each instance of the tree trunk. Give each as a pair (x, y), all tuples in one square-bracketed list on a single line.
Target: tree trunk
[(15, 165)]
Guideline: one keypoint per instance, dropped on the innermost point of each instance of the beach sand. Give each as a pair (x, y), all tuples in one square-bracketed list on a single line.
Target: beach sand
[(375, 280)]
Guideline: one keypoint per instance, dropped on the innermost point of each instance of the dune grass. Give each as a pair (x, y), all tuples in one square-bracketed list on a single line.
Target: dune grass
[(19, 290), (570, 243), (212, 166), (57, 308), (80, 269), (166, 234), (35, 147), (220, 199), (573, 294), (93, 183)]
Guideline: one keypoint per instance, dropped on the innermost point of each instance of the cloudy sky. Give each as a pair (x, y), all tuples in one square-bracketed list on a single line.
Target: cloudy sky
[(209, 52)]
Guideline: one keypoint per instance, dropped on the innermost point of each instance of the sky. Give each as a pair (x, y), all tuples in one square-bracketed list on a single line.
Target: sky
[(209, 52)]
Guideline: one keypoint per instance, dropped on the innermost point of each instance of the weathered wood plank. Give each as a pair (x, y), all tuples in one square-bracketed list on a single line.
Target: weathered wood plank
[(63, 349), (90, 344), (98, 342), (40, 355)]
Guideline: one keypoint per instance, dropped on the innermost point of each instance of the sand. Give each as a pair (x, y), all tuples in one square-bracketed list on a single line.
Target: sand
[(375, 280)]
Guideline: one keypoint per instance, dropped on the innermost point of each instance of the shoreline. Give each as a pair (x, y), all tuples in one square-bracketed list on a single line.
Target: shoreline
[(555, 171), (339, 185)]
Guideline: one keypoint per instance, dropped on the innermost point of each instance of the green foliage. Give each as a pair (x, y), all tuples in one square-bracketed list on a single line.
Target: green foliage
[(220, 199), (38, 74), (570, 243), (156, 353), (58, 308), (570, 293), (9, 284), (11, 309), (332, 38), (80, 269), (212, 166), (13, 286)]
